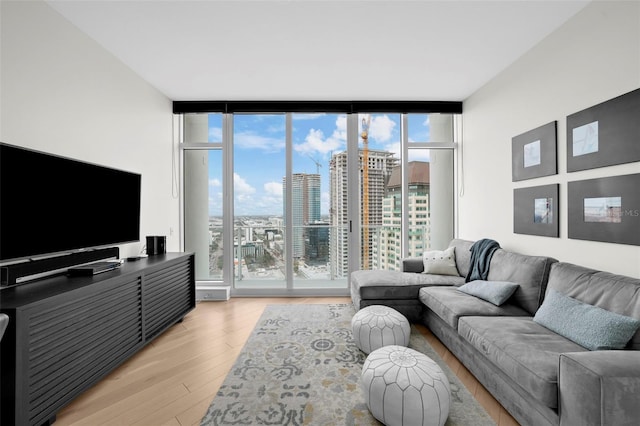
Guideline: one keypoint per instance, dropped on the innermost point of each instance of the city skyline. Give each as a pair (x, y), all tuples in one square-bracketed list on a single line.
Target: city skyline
[(259, 154)]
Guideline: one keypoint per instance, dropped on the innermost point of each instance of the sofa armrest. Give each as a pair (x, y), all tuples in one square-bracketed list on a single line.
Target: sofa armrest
[(413, 264), (599, 388)]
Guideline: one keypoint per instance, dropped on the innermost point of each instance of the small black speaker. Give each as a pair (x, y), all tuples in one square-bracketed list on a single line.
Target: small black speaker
[(156, 244)]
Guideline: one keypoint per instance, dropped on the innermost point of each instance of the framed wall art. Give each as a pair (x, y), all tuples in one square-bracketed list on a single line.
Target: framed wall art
[(605, 134), (535, 210), (605, 209), (533, 154)]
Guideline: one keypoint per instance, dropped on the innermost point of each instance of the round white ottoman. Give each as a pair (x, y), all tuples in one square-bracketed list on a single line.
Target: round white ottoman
[(376, 326), (405, 387)]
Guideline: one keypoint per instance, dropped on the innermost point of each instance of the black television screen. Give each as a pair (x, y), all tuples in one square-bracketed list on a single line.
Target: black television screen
[(51, 204)]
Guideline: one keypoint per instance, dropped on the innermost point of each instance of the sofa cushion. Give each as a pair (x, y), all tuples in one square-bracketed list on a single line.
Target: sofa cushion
[(587, 325), (526, 351), (450, 304), (463, 255), (396, 285), (615, 293), (529, 272), (496, 292), (440, 262)]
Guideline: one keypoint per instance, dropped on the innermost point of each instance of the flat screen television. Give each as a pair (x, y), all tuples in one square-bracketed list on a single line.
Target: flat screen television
[(50, 204)]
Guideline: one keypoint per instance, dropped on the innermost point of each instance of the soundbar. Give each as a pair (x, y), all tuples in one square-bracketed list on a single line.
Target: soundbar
[(19, 273)]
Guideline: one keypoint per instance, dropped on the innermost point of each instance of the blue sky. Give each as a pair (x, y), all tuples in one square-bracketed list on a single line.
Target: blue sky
[(259, 154)]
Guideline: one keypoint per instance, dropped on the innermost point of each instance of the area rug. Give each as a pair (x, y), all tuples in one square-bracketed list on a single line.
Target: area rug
[(301, 366)]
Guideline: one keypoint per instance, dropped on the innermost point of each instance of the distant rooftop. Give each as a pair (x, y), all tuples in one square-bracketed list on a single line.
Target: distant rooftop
[(418, 174)]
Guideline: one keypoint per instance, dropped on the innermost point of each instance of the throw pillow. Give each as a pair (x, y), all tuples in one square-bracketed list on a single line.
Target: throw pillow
[(587, 325), (440, 262), (496, 292)]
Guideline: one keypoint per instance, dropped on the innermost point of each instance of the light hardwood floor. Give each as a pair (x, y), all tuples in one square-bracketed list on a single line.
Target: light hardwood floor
[(173, 380)]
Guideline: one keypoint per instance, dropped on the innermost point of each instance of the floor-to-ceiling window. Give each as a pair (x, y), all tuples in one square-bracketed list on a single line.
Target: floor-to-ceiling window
[(292, 202), (407, 187), (318, 221), (430, 183), (379, 163), (259, 163)]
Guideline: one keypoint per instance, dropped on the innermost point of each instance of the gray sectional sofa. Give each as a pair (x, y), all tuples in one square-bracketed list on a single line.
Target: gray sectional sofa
[(540, 376)]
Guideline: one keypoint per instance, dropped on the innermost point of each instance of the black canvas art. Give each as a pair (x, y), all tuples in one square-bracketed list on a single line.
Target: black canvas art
[(605, 209), (605, 134), (535, 210), (533, 154)]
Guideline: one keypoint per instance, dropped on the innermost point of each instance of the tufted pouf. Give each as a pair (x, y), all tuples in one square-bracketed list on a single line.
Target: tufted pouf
[(377, 326), (405, 387)]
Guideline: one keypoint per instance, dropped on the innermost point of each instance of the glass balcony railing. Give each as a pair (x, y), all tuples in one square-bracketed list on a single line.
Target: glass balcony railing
[(319, 252), (260, 252)]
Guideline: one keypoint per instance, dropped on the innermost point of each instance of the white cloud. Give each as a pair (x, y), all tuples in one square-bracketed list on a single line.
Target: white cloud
[(341, 128), (268, 204), (249, 202), (215, 134), (215, 204), (381, 128), (251, 140), (241, 187), (273, 188), (315, 141), (311, 116), (215, 183), (393, 147), (420, 133)]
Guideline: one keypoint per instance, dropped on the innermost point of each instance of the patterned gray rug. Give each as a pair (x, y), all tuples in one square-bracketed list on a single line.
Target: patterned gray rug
[(300, 366)]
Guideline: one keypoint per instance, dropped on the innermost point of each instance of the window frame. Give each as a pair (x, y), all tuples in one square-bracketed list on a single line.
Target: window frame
[(226, 146)]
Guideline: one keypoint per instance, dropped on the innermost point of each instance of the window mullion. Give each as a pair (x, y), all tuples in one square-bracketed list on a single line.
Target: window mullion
[(227, 196), (288, 202), (353, 189), (404, 147)]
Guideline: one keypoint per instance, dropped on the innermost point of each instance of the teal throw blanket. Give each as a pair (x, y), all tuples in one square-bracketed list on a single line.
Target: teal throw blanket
[(481, 253)]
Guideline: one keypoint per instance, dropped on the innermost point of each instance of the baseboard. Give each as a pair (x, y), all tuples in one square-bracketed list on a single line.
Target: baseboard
[(207, 293)]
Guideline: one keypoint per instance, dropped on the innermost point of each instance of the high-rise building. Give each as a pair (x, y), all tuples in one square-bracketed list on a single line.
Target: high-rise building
[(305, 208), (387, 243), (316, 247), (380, 164)]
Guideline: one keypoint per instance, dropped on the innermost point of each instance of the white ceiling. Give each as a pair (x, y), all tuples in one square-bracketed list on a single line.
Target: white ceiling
[(318, 50)]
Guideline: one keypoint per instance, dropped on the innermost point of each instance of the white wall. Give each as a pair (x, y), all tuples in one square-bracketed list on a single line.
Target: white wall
[(592, 58), (62, 93)]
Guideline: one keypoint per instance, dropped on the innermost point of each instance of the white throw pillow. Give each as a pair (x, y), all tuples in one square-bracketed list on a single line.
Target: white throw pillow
[(440, 262)]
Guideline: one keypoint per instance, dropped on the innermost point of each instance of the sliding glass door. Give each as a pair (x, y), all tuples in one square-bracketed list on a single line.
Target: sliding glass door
[(318, 183), (284, 236)]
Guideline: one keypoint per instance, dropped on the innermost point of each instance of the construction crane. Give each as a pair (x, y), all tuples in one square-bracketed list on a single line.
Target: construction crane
[(318, 164), (366, 122)]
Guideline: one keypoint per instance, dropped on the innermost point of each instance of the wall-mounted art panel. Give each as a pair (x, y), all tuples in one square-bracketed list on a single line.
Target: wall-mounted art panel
[(535, 210), (605, 134), (533, 154), (605, 209)]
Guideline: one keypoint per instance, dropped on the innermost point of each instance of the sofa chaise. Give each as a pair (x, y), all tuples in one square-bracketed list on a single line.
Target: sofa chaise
[(542, 377)]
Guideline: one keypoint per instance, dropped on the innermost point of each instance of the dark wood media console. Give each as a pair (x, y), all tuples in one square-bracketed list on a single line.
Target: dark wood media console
[(66, 333)]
